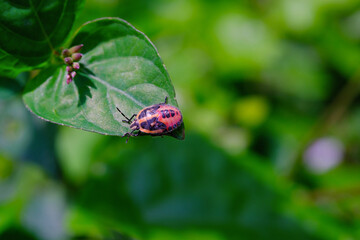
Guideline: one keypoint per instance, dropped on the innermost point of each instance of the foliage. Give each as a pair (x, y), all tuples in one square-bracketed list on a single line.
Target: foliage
[(120, 68), (30, 30), (268, 91)]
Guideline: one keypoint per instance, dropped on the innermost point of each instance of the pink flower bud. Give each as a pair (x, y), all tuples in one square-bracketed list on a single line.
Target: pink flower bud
[(66, 53), (73, 74), (76, 56), (76, 49), (68, 78), (68, 60), (76, 65), (69, 68)]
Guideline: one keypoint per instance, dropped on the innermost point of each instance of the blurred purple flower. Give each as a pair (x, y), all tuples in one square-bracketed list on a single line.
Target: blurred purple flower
[(323, 155)]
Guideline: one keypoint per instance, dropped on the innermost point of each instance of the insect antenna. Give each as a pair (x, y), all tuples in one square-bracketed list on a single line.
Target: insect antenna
[(128, 120)]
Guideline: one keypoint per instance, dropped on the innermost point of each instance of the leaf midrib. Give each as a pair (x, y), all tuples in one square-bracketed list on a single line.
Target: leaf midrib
[(46, 36), (108, 85), (41, 26), (104, 61)]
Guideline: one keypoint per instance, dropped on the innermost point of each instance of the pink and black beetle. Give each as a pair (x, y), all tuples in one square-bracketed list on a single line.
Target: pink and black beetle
[(158, 119)]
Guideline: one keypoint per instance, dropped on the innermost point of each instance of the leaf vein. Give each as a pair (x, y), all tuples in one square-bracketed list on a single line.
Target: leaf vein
[(115, 89), (41, 26)]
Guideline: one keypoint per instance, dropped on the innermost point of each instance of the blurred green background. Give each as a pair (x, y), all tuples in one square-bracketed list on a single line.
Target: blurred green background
[(269, 94)]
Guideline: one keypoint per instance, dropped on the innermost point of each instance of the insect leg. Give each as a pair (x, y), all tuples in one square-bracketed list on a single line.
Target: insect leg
[(128, 135), (166, 100)]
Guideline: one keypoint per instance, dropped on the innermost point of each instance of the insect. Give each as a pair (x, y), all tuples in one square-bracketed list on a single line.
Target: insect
[(158, 119)]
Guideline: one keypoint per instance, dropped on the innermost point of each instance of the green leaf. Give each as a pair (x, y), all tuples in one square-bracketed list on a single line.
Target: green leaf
[(120, 68), (30, 30)]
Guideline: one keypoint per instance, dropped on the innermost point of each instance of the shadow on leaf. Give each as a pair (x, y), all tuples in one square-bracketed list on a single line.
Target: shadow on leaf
[(83, 83), (40, 79)]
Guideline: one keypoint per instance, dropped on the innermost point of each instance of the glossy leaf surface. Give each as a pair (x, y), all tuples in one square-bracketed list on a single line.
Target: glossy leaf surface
[(120, 68), (30, 30)]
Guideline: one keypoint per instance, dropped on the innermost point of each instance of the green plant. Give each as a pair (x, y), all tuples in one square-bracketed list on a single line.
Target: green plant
[(119, 66)]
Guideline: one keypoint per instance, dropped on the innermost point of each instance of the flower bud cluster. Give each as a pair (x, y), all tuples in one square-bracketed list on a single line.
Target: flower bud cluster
[(71, 59)]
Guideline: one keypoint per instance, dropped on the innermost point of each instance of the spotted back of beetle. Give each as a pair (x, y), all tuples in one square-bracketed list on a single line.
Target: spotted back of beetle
[(159, 119)]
